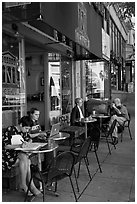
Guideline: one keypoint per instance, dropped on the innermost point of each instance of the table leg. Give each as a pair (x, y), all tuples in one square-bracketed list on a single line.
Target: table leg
[(100, 126), (39, 162), (86, 134), (40, 168)]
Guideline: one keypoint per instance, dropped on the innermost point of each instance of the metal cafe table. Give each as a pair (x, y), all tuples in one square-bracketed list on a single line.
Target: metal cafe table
[(100, 117), (87, 121)]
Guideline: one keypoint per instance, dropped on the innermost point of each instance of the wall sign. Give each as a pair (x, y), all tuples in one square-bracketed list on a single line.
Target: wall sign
[(81, 31), (10, 79)]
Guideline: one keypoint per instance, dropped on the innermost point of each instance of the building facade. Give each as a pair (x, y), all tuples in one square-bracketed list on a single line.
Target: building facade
[(44, 49)]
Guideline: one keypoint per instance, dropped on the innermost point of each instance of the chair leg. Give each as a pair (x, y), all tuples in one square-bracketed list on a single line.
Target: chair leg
[(112, 142), (73, 188), (43, 187), (87, 168), (76, 179), (87, 160), (98, 161), (78, 169), (129, 132), (122, 135), (26, 196), (108, 145), (56, 186)]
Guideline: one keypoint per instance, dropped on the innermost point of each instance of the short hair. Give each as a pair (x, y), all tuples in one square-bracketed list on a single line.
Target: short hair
[(32, 110), (24, 121), (77, 100), (117, 100)]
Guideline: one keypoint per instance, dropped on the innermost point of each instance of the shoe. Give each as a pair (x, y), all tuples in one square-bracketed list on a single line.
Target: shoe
[(115, 141), (21, 190)]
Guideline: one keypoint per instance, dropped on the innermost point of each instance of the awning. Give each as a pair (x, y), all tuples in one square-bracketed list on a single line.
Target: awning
[(31, 13), (79, 52)]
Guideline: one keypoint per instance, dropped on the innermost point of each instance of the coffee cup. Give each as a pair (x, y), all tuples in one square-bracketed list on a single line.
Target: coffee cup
[(94, 112)]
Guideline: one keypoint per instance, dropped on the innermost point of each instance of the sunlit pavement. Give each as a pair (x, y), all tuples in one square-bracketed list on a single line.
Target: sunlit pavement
[(116, 183)]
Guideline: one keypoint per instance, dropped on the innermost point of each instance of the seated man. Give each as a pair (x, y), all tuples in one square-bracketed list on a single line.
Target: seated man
[(120, 113), (32, 121)]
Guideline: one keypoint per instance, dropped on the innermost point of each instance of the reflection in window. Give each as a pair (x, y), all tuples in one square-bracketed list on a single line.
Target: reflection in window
[(13, 100), (95, 77), (60, 89), (54, 70), (66, 86)]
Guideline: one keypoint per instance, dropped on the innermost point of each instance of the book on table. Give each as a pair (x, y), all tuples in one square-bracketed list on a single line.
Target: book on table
[(31, 146)]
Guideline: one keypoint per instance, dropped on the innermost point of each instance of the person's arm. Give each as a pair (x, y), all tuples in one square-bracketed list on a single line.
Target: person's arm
[(34, 135), (12, 146), (116, 109), (124, 112)]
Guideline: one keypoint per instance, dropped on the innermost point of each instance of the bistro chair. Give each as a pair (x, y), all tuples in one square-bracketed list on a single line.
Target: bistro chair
[(125, 125), (81, 154), (60, 168), (95, 139), (107, 133)]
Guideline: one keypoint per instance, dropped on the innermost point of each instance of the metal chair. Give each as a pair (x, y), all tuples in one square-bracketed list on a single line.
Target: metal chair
[(108, 134), (81, 153), (60, 168), (125, 125)]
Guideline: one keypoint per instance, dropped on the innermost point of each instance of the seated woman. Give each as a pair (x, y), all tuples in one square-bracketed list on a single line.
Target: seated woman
[(11, 158)]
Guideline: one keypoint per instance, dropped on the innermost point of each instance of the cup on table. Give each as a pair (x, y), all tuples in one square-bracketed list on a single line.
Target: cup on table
[(94, 112), (90, 117), (86, 119)]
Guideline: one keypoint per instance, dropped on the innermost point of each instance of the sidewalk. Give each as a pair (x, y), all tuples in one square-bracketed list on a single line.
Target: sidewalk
[(115, 184)]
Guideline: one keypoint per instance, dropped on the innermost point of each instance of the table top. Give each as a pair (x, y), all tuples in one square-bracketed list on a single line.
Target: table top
[(100, 116), (37, 147), (88, 120), (71, 129), (60, 136), (76, 130), (46, 148)]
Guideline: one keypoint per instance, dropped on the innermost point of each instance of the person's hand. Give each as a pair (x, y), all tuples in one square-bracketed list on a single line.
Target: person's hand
[(113, 105), (30, 141), (26, 144), (42, 134)]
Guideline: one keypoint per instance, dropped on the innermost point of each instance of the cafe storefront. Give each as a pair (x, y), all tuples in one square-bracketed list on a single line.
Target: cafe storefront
[(47, 55)]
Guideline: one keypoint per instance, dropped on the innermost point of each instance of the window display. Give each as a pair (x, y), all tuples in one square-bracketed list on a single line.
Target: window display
[(13, 91)]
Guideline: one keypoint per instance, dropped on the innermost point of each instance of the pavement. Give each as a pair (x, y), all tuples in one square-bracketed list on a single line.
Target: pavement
[(116, 183)]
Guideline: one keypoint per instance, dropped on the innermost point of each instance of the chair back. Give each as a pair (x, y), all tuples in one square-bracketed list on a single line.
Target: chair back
[(61, 166), (111, 129), (129, 118), (84, 149), (127, 122)]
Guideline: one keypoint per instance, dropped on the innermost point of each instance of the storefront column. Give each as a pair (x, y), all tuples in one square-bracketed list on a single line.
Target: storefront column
[(46, 91), (83, 81), (119, 77), (22, 68)]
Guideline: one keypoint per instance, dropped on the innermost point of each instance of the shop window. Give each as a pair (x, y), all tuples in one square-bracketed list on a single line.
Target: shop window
[(114, 77), (13, 95), (96, 77), (66, 85), (60, 90)]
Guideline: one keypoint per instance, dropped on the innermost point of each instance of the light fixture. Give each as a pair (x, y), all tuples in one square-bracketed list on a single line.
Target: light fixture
[(40, 18)]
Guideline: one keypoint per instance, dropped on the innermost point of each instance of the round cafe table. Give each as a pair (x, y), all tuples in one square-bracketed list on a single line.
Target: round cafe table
[(100, 117), (45, 148), (87, 121), (61, 136)]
